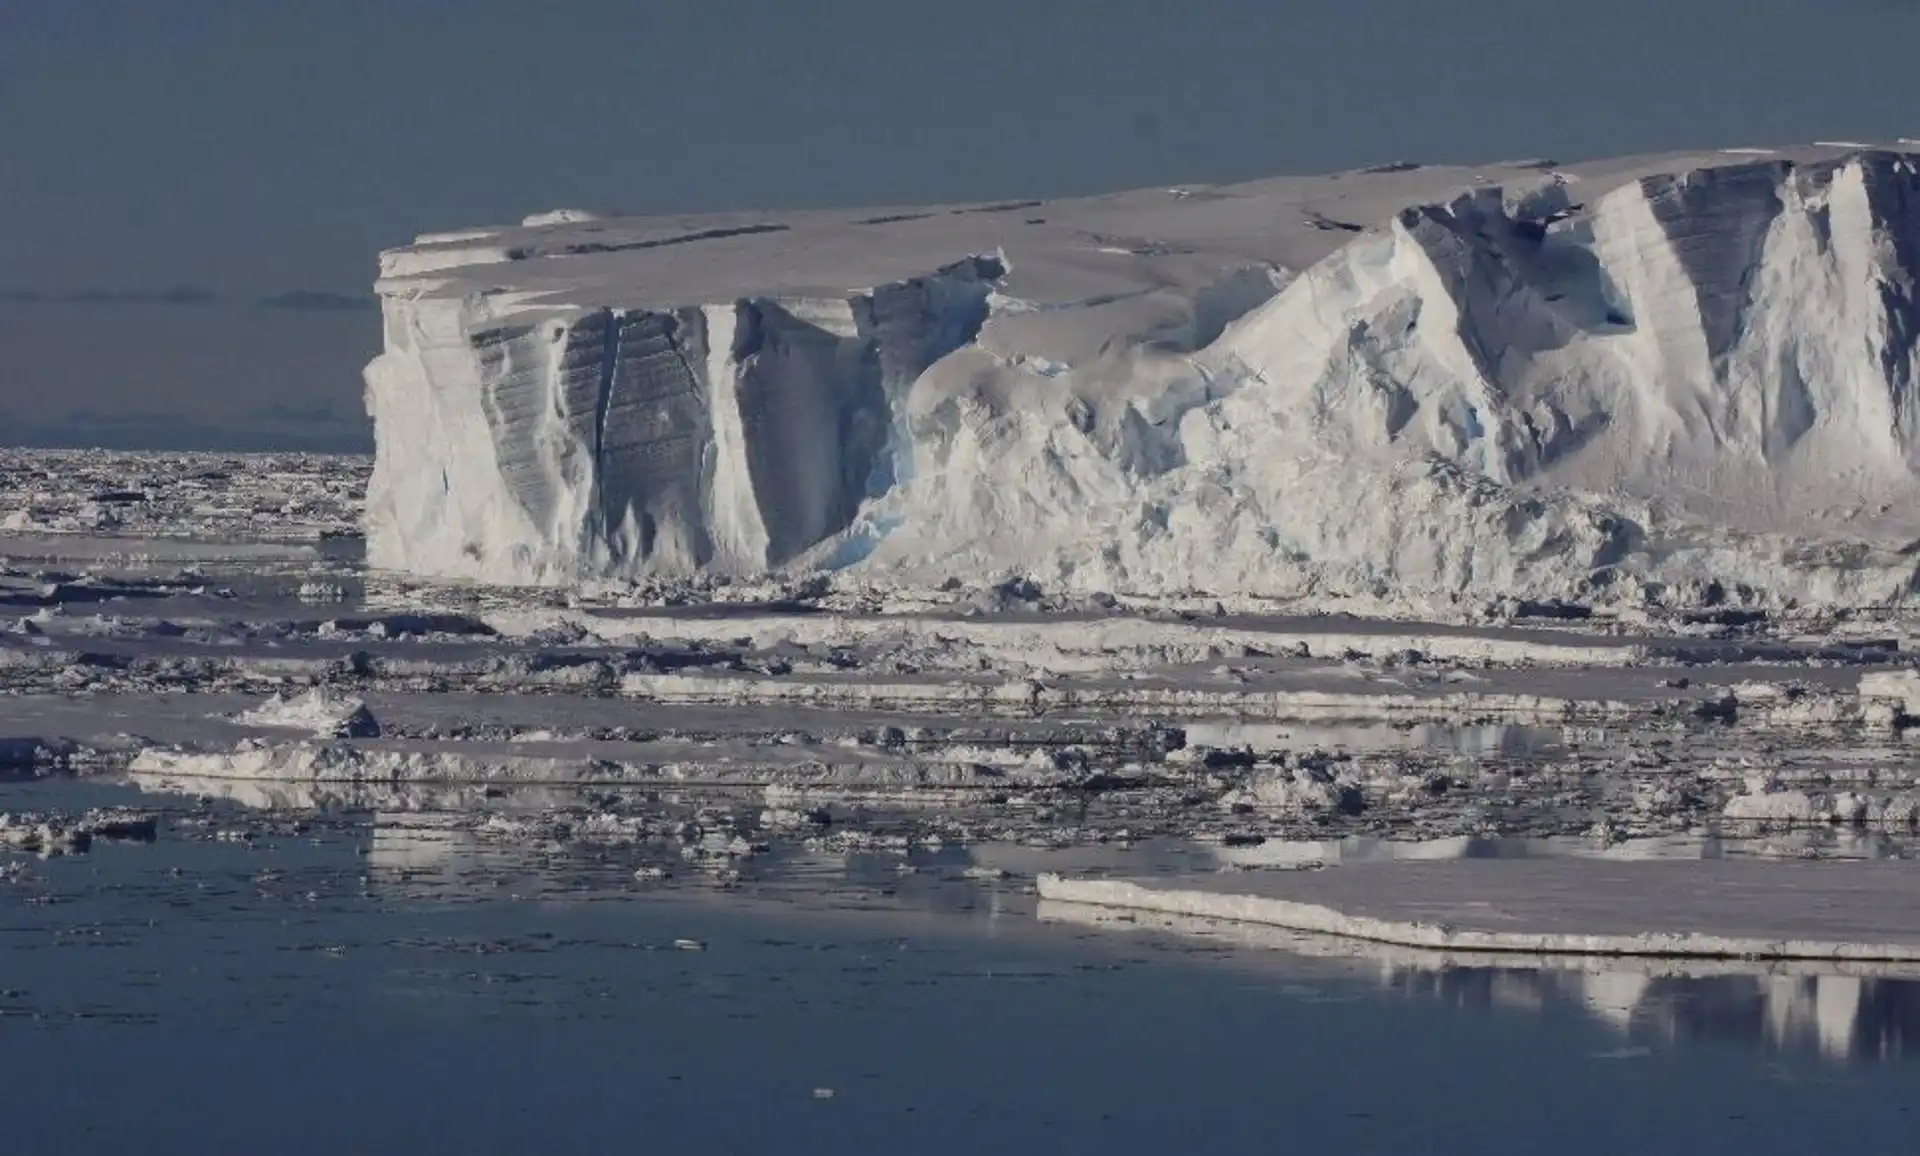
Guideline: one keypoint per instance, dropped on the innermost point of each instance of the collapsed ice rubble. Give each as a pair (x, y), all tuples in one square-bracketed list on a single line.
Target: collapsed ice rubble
[(1670, 377)]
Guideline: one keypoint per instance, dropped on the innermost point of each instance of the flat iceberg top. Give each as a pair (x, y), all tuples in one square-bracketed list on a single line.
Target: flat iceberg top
[(1060, 250)]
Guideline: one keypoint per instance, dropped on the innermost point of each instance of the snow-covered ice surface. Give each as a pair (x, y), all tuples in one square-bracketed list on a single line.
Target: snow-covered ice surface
[(172, 639), (1681, 380)]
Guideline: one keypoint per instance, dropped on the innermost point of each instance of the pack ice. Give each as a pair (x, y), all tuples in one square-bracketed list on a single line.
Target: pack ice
[(1679, 378)]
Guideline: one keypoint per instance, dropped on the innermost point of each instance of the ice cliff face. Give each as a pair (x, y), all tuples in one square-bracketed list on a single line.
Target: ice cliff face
[(1651, 378), (612, 440), (1742, 334)]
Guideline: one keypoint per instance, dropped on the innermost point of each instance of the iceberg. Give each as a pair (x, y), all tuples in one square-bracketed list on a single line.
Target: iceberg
[(1682, 378)]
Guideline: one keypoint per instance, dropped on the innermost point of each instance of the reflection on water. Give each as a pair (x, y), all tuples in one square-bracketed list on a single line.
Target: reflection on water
[(1851, 1013), (1828, 843), (465, 842), (1842, 1017), (1843, 1013)]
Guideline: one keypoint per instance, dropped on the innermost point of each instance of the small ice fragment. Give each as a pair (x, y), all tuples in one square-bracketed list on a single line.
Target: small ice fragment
[(322, 711), (121, 823)]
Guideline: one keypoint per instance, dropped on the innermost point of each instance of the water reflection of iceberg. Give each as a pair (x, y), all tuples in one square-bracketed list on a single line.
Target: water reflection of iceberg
[(452, 841), (1843, 1013), (1376, 849), (1841, 1017)]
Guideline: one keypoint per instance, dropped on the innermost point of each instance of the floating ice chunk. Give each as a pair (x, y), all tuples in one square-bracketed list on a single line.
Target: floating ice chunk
[(559, 217), (1304, 790), (1729, 911), (319, 711)]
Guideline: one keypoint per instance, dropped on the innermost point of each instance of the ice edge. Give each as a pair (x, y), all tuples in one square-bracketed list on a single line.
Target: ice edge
[(1316, 919)]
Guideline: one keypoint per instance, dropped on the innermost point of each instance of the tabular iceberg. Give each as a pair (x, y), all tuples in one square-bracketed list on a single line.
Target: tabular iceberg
[(1656, 378)]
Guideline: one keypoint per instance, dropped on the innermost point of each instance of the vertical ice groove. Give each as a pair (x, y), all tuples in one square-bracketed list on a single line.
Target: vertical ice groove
[(1663, 351), (1891, 191), (1716, 222), (609, 358), (740, 537), (648, 514), (794, 399)]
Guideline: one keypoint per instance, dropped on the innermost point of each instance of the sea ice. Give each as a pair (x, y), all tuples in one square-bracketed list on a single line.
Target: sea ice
[(1717, 909)]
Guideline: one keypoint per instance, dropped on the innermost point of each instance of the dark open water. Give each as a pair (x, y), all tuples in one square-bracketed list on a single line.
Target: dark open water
[(353, 988)]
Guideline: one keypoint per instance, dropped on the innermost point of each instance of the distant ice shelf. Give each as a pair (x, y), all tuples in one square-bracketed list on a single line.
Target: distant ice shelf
[(1672, 379)]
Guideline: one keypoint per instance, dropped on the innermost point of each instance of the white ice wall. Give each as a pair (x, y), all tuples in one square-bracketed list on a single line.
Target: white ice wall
[(551, 444)]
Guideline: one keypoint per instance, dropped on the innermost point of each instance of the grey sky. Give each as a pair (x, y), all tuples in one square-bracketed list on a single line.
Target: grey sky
[(258, 146)]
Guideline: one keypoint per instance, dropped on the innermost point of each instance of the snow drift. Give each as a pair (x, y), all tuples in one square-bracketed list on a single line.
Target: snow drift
[(1684, 378)]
